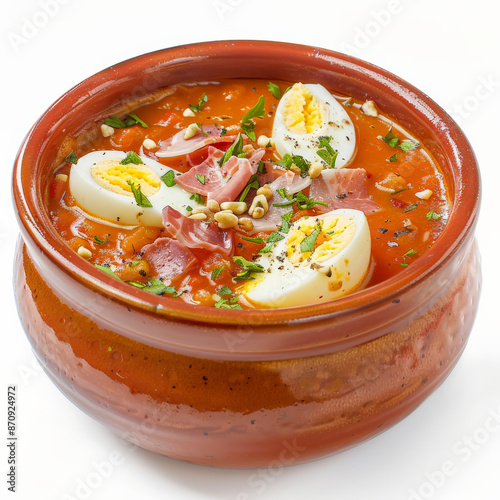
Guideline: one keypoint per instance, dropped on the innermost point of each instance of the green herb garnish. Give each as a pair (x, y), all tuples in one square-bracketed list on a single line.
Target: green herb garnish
[(132, 158), (411, 207), (99, 241), (258, 111), (250, 267), (253, 182), (272, 239), (115, 122), (201, 178), (168, 178), (326, 152), (216, 273), (390, 139), (223, 304), (410, 252), (308, 243), (408, 145), (140, 198), (225, 290), (274, 89), (431, 215), (235, 149), (285, 218), (197, 198), (108, 271), (196, 108), (71, 158), (394, 157), (259, 241)]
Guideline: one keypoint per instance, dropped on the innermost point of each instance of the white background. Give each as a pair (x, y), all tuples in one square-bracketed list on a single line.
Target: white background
[(449, 52)]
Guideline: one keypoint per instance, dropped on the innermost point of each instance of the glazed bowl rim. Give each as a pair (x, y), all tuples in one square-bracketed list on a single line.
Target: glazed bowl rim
[(463, 214)]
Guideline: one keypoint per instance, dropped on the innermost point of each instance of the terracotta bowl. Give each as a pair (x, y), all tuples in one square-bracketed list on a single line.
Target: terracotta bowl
[(256, 388)]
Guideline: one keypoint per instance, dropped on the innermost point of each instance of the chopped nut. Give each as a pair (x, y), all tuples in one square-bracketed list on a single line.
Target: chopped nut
[(201, 210), (191, 131), (246, 224), (62, 177), (198, 216), (315, 169), (236, 207), (106, 130), (258, 213), (84, 252), (189, 113), (149, 144), (213, 206), (248, 148), (226, 219), (425, 194), (260, 201), (266, 191), (369, 108), (265, 142)]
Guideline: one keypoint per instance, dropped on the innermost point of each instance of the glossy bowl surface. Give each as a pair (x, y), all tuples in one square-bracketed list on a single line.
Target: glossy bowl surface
[(258, 387)]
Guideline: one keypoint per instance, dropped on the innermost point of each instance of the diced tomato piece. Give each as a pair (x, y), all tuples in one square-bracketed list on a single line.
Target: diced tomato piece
[(397, 203), (57, 189)]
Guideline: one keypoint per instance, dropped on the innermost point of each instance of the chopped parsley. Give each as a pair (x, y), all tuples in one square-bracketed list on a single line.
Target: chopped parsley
[(272, 239), (285, 219), (308, 243), (259, 241), (302, 200), (132, 158), (408, 145), (197, 198), (71, 158), (431, 215), (228, 304), (225, 290), (274, 89), (247, 124), (236, 149), (253, 182), (196, 108), (115, 122), (216, 273), (168, 178), (248, 266), (288, 161), (99, 241), (108, 271), (201, 178), (394, 157), (326, 152), (411, 207), (410, 252), (390, 139), (140, 197)]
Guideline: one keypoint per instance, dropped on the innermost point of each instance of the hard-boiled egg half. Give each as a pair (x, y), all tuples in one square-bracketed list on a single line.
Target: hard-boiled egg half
[(305, 114), (101, 182), (320, 259)]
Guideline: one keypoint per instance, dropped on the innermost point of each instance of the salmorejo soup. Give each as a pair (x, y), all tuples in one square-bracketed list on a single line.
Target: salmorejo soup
[(249, 194)]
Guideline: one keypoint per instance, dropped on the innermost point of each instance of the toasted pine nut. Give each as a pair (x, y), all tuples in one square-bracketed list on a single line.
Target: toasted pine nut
[(213, 206), (149, 144), (84, 252), (198, 216), (106, 130), (237, 207), (201, 210), (246, 224), (260, 201), (258, 213), (226, 219), (62, 177), (315, 169), (266, 191), (189, 113), (326, 270), (248, 148), (369, 108), (425, 194), (191, 131), (264, 142)]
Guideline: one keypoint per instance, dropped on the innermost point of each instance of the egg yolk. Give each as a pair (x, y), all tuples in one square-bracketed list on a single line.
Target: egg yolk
[(313, 240), (301, 111), (115, 177)]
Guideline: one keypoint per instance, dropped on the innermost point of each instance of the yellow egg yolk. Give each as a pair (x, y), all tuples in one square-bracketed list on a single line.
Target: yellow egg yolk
[(302, 111), (115, 177)]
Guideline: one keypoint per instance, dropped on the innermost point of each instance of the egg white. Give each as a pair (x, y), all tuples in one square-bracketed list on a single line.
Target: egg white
[(99, 201), (336, 123), (285, 283)]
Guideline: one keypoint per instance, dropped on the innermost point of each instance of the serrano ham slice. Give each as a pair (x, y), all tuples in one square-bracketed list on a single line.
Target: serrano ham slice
[(216, 183), (196, 233), (169, 258), (342, 188)]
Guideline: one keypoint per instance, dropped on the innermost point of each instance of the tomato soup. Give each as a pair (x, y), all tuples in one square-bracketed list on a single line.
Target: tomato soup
[(248, 193)]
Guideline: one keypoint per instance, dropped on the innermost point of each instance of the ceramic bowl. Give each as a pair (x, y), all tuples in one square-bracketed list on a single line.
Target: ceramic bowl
[(256, 388)]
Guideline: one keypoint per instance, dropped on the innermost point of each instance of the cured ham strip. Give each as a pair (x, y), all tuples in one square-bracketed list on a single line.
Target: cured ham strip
[(196, 233), (216, 183), (342, 188), (169, 258), (290, 181), (177, 145)]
